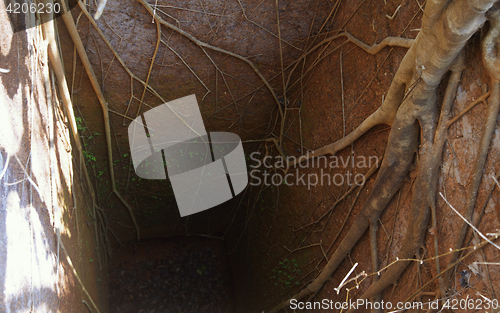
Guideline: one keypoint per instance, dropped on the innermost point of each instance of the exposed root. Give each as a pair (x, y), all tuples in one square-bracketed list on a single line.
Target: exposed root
[(55, 60), (207, 46), (439, 140), (393, 170), (423, 196), (68, 259), (70, 24), (410, 108), (445, 30), (158, 39), (374, 49), (116, 55), (375, 265), (383, 115), (451, 266), (243, 11), (429, 57), (492, 64)]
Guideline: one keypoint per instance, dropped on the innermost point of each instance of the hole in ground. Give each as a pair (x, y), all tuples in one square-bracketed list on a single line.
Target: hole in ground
[(178, 274)]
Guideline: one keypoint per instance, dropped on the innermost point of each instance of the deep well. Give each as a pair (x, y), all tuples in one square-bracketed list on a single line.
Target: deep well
[(82, 229)]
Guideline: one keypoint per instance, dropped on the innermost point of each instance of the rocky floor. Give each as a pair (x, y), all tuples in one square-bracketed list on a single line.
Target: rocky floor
[(171, 275)]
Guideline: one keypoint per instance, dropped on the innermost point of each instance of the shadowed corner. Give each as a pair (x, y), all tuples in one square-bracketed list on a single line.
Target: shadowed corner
[(205, 169)]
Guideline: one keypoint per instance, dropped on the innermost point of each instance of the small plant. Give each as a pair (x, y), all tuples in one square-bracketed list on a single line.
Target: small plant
[(79, 125), (286, 274), (93, 135), (201, 270), (89, 156), (87, 139)]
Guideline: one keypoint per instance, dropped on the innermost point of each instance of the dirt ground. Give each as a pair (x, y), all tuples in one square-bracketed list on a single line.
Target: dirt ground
[(177, 274)]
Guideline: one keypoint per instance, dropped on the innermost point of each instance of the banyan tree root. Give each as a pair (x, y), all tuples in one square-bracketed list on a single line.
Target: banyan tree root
[(412, 110), (433, 137), (491, 60), (70, 24)]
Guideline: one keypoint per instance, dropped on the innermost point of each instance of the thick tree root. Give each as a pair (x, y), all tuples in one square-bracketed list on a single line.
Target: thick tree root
[(446, 27), (383, 115), (394, 168), (424, 190), (70, 24), (375, 264), (48, 31), (492, 64), (430, 57), (423, 196)]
